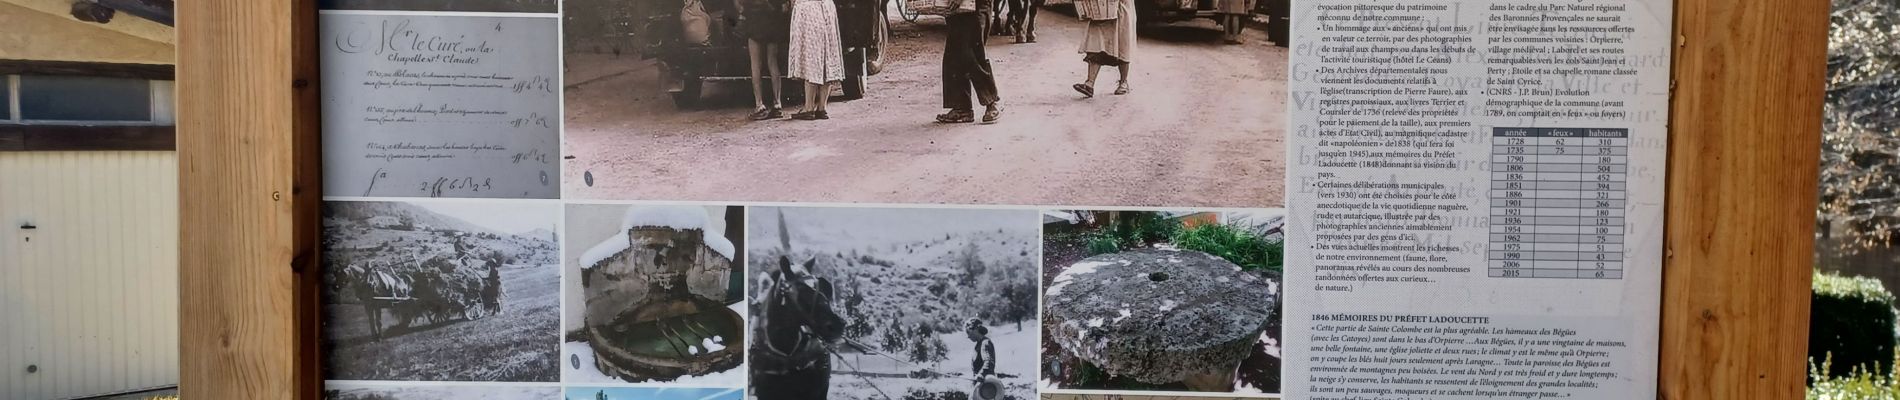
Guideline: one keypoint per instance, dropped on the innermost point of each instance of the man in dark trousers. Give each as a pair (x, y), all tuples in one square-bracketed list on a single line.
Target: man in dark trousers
[(1022, 19), (966, 67)]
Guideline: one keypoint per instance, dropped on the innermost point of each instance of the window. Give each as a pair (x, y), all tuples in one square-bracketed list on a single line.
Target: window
[(78, 98)]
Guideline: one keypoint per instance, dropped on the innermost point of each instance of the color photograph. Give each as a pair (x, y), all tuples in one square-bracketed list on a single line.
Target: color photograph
[(992, 102), (654, 295), (1169, 301), (440, 290), (881, 304)]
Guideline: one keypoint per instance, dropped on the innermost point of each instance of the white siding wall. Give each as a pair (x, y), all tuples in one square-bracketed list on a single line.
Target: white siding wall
[(91, 296)]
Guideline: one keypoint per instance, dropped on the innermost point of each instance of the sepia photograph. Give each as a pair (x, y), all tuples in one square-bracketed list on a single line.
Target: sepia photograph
[(434, 392), (654, 295), (641, 393), (886, 304), (985, 102), (1169, 301), (441, 290)]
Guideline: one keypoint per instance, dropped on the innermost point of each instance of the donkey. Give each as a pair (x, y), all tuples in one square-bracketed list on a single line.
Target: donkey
[(377, 289)]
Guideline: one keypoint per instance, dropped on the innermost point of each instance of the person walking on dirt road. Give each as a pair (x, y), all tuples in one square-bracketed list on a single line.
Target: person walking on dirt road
[(816, 53), (966, 67), (1110, 40)]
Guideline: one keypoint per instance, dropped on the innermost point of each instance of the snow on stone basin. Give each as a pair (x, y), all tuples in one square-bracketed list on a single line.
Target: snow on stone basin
[(1158, 316), (674, 217)]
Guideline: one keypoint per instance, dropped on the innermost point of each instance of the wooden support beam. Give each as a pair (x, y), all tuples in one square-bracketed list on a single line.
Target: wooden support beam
[(247, 177), (160, 72), (1743, 157)]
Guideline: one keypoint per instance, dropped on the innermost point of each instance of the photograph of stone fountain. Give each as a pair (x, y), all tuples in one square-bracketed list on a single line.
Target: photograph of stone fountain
[(892, 303), (1165, 301), (654, 294)]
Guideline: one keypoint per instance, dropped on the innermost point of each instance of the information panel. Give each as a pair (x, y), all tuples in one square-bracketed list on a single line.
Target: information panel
[(1476, 199)]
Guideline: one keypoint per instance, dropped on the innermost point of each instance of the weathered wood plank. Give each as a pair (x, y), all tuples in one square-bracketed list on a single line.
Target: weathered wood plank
[(246, 160), (74, 68), (1743, 158)]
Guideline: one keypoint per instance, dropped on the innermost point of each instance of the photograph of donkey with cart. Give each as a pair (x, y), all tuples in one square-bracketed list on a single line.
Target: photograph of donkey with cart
[(440, 290), (892, 304), (994, 102)]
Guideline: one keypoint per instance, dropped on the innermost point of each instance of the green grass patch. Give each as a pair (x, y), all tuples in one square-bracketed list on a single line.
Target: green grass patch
[(1252, 251)]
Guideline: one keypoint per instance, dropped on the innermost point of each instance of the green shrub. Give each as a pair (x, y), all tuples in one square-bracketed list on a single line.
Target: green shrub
[(1103, 244), (1852, 319), (1857, 384), (1149, 227), (1252, 251)]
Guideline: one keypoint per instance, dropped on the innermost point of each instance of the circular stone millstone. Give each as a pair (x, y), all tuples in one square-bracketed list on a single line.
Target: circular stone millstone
[(1158, 315)]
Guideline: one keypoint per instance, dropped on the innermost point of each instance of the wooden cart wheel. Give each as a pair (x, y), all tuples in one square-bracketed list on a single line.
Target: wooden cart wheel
[(874, 57), (908, 14)]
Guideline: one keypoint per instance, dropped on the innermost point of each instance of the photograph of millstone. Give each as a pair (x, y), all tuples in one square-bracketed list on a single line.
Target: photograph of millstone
[(654, 295), (892, 304), (1171, 301), (441, 290), (402, 391)]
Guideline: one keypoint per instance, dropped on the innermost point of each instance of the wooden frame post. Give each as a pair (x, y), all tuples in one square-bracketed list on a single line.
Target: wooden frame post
[(247, 144), (1744, 151), (1744, 156)]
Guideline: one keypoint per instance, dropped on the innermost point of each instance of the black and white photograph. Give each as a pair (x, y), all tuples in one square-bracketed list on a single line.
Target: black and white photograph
[(441, 290), (510, 6), (654, 295), (1165, 301), (377, 391), (437, 392), (970, 102), (892, 303)]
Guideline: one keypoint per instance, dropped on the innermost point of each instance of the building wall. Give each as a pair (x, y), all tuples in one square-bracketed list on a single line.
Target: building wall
[(89, 297), (39, 30)]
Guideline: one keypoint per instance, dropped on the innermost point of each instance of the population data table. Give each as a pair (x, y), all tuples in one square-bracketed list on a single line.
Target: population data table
[(1557, 202)]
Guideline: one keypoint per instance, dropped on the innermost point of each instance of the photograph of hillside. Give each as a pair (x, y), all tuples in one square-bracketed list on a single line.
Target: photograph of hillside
[(441, 291), (857, 303)]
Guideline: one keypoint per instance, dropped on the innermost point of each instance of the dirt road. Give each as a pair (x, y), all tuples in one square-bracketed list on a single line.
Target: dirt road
[(1204, 127)]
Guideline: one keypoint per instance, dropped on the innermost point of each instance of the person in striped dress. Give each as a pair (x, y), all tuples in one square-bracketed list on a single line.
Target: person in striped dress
[(816, 54)]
